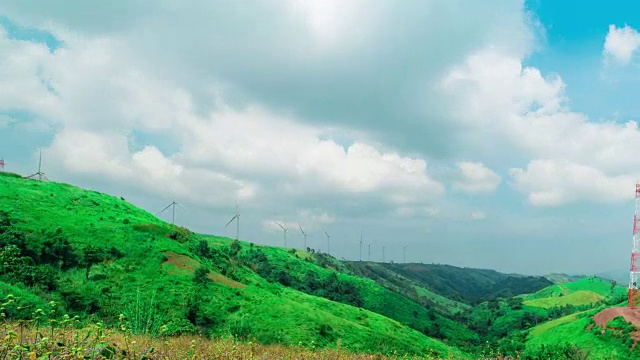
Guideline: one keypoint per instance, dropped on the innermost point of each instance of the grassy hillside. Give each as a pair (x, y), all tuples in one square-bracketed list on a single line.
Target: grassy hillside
[(466, 285), (588, 290), (393, 281), (578, 332), (99, 256)]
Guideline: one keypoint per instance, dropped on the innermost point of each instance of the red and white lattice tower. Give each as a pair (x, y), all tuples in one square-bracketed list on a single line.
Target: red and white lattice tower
[(635, 254)]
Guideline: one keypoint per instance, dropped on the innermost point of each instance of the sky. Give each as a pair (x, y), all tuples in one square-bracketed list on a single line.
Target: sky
[(498, 134)]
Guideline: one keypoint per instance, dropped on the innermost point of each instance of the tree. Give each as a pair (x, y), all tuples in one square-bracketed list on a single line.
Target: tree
[(91, 255), (200, 276)]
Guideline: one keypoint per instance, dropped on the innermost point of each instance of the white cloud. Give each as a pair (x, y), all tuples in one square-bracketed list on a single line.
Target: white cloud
[(527, 113), (90, 91), (621, 43), (256, 142), (474, 178), (557, 182), (478, 215), (106, 155)]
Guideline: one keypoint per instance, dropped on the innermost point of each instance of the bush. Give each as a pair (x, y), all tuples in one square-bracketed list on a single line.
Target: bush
[(200, 276)]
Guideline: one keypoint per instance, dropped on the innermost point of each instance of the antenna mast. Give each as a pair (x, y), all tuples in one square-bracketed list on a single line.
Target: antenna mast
[(635, 254)]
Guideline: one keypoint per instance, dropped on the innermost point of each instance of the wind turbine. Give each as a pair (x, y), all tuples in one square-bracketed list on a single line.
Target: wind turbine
[(39, 174), (383, 254), (303, 234), (361, 246), (370, 250), (173, 211), (284, 229), (404, 254), (328, 243), (237, 218)]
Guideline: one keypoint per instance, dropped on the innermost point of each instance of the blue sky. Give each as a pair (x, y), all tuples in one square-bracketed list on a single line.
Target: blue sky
[(497, 135)]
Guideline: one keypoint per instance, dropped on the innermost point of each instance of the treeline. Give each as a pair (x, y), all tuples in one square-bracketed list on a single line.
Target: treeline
[(37, 258), (329, 287)]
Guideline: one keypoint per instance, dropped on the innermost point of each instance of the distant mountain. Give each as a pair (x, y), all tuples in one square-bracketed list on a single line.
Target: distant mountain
[(558, 278), (467, 285), (619, 276)]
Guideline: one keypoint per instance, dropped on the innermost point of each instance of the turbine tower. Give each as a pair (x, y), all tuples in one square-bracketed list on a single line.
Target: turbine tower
[(383, 254), (173, 211), (284, 229), (635, 254), (235, 217), (305, 236), (370, 251), (2, 163), (361, 246), (40, 175), (328, 243), (404, 254)]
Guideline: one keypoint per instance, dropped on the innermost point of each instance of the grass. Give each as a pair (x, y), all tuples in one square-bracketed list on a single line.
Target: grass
[(154, 281), (580, 297), (24, 340), (582, 333), (581, 292), (537, 330)]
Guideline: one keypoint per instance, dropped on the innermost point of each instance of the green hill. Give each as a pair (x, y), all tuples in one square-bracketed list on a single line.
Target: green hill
[(393, 281), (465, 285), (588, 290), (576, 334), (99, 257)]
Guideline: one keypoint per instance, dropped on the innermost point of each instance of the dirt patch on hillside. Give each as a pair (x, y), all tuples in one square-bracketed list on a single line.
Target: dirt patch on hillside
[(185, 263), (220, 279), (181, 262), (631, 315), (606, 315)]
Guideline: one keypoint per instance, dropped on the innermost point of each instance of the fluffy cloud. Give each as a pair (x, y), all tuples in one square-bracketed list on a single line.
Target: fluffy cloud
[(526, 112), (557, 182), (107, 155), (474, 177), (89, 92), (621, 43)]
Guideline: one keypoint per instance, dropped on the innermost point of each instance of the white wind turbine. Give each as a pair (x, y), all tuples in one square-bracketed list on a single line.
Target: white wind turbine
[(237, 218), (284, 229)]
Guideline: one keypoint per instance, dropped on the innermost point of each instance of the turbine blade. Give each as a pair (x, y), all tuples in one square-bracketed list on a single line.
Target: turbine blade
[(161, 211), (233, 218), (280, 225)]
